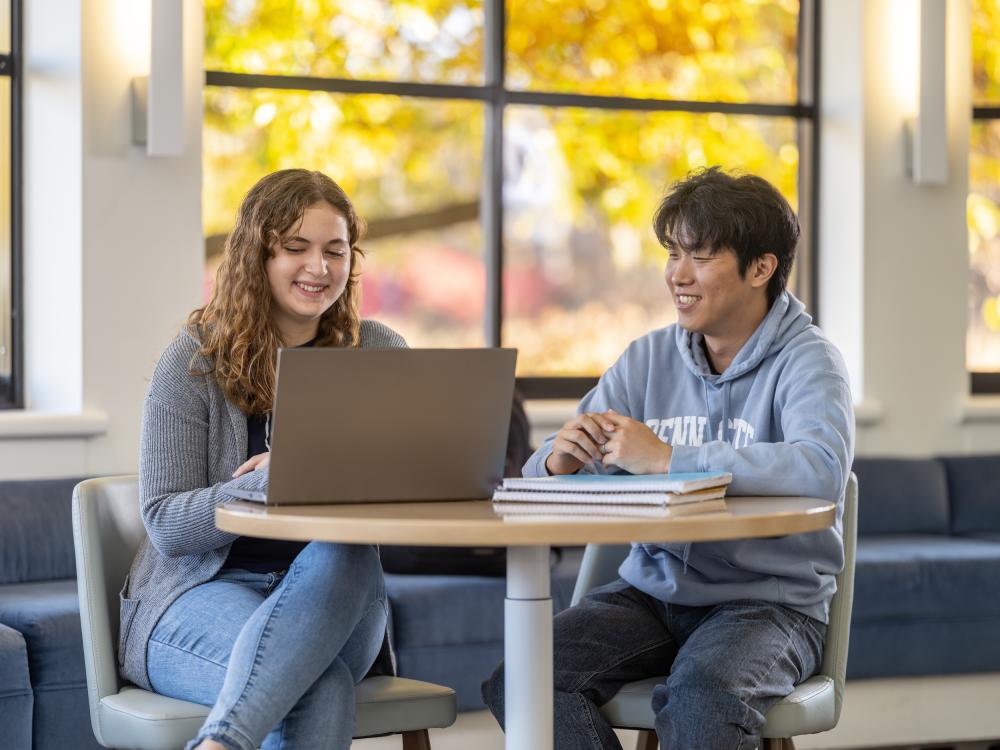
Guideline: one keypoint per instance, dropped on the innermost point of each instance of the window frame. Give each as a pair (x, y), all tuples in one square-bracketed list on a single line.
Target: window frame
[(496, 98), (984, 383), (12, 388)]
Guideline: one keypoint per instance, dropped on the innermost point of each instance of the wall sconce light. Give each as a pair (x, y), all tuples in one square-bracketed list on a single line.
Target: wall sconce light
[(158, 99), (927, 133)]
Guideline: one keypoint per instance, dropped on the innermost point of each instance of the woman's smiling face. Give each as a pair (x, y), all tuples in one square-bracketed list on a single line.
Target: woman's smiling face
[(308, 271)]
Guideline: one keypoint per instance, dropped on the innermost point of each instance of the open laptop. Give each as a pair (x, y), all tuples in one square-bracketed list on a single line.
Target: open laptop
[(378, 425)]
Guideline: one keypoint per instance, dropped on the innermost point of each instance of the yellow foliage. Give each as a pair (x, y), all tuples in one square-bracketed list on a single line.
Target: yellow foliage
[(577, 178)]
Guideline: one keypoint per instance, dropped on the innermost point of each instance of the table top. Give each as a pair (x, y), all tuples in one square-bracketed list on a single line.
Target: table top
[(474, 522)]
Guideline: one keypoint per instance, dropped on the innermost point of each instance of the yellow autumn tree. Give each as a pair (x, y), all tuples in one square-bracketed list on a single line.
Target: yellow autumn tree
[(580, 184), (983, 207)]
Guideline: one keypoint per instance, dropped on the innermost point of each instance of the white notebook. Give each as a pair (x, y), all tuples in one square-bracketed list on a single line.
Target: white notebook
[(569, 511), (652, 489), (605, 497)]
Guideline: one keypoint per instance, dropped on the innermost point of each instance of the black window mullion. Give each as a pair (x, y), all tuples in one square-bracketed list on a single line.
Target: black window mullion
[(344, 85), (12, 391), (491, 203), (808, 138), (494, 92), (813, 55)]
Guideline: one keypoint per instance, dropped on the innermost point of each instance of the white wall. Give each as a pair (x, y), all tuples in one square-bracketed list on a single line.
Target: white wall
[(114, 247), (113, 241), (903, 288)]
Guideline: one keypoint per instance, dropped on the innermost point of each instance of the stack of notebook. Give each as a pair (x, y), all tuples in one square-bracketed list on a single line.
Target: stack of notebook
[(652, 495)]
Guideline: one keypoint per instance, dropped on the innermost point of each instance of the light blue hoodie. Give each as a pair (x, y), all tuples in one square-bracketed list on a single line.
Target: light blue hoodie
[(780, 418)]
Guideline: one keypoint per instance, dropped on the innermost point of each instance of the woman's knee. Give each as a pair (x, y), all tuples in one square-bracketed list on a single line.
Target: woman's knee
[(342, 559)]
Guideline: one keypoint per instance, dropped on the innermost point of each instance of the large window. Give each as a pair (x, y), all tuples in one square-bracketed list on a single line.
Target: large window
[(983, 336), (509, 156), (10, 244)]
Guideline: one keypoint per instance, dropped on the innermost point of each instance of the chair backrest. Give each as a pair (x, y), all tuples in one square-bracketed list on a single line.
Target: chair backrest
[(838, 630), (601, 561), (107, 532), (599, 566)]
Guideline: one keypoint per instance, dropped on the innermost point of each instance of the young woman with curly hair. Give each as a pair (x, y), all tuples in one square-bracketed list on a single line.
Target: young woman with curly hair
[(273, 635)]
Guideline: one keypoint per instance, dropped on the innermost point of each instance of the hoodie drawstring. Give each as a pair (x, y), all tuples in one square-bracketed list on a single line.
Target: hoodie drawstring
[(686, 554), (726, 392)]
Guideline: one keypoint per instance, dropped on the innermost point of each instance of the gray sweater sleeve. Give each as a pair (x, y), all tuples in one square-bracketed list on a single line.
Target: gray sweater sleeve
[(375, 335), (176, 497)]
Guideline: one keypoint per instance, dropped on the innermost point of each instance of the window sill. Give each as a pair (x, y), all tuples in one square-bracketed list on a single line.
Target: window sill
[(980, 409), (867, 413), (37, 424), (550, 414)]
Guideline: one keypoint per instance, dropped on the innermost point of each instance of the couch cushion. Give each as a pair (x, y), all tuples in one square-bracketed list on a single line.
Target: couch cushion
[(974, 490), (901, 496), (48, 615), (920, 576), (920, 606), (992, 536), (449, 629), (62, 719), (15, 691), (36, 536), (922, 648)]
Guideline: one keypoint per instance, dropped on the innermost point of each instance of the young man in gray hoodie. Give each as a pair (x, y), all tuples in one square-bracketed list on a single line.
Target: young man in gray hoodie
[(743, 383)]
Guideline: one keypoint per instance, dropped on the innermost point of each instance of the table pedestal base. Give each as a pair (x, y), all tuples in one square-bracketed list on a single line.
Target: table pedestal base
[(528, 650)]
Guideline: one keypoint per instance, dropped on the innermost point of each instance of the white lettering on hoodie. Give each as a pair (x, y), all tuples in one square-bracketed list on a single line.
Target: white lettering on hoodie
[(690, 430)]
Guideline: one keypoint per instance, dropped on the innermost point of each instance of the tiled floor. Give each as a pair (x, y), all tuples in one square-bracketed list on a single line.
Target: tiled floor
[(478, 730), (474, 729)]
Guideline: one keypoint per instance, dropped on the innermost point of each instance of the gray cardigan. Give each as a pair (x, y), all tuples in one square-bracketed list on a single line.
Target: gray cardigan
[(192, 441)]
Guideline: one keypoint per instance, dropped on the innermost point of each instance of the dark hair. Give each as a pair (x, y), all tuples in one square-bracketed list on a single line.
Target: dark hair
[(713, 210)]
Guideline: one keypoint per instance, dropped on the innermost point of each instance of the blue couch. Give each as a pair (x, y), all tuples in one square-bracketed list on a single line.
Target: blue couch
[(927, 581), (40, 612), (926, 603), (447, 628), (16, 698)]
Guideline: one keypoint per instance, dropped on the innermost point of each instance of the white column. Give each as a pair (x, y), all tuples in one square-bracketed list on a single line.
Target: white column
[(528, 650)]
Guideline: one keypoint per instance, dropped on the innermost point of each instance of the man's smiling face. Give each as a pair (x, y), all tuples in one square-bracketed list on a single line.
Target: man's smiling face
[(710, 294)]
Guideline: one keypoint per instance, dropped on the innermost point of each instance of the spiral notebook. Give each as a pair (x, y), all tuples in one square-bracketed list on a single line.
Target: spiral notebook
[(616, 489), (512, 511), (605, 497)]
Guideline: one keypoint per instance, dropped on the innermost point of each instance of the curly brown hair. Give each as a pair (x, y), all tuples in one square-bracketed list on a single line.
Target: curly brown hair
[(238, 337)]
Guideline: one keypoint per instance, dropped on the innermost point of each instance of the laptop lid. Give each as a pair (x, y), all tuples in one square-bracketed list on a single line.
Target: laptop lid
[(360, 425)]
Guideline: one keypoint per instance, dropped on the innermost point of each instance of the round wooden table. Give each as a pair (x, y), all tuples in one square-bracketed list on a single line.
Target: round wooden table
[(528, 608)]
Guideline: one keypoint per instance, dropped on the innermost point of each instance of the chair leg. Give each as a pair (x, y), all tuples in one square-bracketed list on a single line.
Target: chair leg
[(647, 740), (777, 744), (418, 740)]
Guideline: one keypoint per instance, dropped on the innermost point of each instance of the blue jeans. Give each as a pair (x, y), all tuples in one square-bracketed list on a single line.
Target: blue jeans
[(276, 655), (727, 665)]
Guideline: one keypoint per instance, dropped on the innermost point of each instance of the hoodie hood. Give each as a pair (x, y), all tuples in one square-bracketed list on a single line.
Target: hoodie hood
[(786, 319)]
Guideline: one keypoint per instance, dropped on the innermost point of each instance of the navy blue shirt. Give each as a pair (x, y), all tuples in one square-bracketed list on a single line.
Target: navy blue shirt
[(251, 553)]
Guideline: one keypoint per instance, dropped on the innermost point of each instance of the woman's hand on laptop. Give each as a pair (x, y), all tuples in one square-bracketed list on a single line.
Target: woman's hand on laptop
[(260, 461)]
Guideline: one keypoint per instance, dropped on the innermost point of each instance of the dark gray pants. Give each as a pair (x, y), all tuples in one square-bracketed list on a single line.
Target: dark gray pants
[(727, 665)]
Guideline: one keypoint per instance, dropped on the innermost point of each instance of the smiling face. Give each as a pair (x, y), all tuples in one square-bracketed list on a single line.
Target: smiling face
[(307, 271), (712, 297)]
